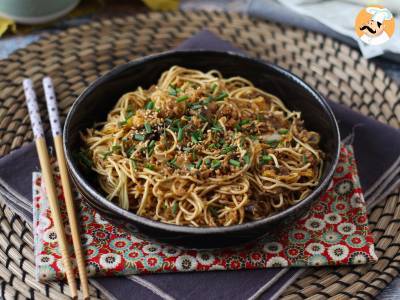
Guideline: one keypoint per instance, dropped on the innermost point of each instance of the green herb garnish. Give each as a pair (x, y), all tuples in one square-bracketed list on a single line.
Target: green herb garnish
[(133, 163), (213, 211), (172, 163), (180, 134), (228, 149), (196, 106), (283, 131), (130, 150), (107, 154), (175, 208), (221, 96), (149, 105), (215, 164), (150, 147), (207, 100), (273, 143), (213, 87), (172, 91), (196, 136), (115, 148), (246, 158), (234, 163), (305, 159), (83, 158), (199, 163), (182, 98), (139, 137), (149, 166), (266, 158), (203, 118), (148, 128), (217, 127)]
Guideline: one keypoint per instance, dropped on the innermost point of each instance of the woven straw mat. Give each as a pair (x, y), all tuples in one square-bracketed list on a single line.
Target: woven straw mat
[(77, 56)]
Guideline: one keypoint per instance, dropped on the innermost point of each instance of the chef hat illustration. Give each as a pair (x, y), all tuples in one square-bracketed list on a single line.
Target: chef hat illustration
[(379, 14)]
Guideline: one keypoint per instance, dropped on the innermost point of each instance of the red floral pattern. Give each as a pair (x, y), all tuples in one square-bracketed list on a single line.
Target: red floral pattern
[(334, 232)]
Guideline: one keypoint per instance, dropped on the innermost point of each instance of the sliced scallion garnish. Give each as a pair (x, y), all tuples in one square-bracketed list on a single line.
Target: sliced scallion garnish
[(234, 163)]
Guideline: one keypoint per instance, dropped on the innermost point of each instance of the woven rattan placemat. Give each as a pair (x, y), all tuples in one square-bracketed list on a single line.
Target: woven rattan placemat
[(77, 56)]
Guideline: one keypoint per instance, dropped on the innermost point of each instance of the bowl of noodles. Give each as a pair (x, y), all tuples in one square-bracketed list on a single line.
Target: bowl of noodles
[(202, 149)]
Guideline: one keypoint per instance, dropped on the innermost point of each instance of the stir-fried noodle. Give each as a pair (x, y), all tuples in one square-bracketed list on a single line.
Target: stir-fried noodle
[(198, 149)]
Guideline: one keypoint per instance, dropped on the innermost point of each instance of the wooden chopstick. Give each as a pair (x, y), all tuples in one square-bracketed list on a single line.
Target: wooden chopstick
[(47, 173), (66, 186)]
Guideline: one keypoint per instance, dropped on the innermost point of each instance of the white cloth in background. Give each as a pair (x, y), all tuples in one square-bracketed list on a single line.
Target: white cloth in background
[(340, 16)]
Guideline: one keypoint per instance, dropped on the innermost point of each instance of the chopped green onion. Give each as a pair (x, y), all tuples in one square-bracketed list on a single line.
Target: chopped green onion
[(207, 100), (239, 125), (212, 146), (187, 149), (139, 137), (305, 159), (188, 117), (246, 158), (228, 149), (116, 148), (106, 154), (266, 158), (199, 163), (244, 122), (207, 161), (253, 137), (213, 87), (84, 159), (148, 128), (196, 136), (234, 162), (172, 91), (215, 164), (149, 105), (213, 211), (196, 106), (130, 150), (133, 163), (180, 134), (221, 96), (182, 98), (203, 118), (129, 114), (122, 123), (172, 163), (168, 121), (150, 147), (175, 208), (149, 166), (283, 131), (190, 166), (273, 143), (217, 127)]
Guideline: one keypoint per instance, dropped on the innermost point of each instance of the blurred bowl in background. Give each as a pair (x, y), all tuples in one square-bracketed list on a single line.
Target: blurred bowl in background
[(35, 11)]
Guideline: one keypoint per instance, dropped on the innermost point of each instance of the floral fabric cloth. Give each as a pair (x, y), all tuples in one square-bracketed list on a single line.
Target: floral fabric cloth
[(334, 232)]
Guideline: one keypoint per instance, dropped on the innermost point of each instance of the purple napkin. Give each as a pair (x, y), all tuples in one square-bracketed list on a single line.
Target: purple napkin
[(377, 151)]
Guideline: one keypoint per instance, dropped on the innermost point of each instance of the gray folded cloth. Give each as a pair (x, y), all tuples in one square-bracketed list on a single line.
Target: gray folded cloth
[(377, 152)]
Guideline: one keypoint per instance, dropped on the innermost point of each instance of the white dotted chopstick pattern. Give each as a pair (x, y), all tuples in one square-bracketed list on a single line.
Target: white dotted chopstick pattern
[(33, 109), (52, 108)]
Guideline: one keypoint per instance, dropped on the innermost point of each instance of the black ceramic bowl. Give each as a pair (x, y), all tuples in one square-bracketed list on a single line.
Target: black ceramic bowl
[(99, 98)]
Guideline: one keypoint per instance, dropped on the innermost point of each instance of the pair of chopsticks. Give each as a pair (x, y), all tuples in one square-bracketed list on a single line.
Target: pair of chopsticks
[(46, 168)]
